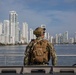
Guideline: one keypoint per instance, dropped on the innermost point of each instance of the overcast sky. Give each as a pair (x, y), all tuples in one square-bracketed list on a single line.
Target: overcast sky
[(58, 15)]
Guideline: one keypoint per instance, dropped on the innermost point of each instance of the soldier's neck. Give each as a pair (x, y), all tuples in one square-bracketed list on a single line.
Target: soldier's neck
[(39, 38)]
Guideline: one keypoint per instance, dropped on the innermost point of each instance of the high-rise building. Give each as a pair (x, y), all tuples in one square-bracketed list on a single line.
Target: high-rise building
[(1, 28), (71, 40), (31, 34), (1, 34), (56, 40), (51, 39), (19, 35), (45, 36), (60, 38), (25, 32), (75, 38), (48, 36), (6, 31), (13, 27), (65, 37), (2, 38)]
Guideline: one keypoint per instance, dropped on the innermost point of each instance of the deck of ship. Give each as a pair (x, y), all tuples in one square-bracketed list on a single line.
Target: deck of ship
[(34, 69)]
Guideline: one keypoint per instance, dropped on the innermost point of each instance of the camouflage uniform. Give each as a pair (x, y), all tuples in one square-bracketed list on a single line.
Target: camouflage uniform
[(50, 48), (27, 53), (52, 53)]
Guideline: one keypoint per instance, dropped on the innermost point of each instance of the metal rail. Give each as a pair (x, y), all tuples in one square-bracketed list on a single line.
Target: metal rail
[(12, 59), (22, 54)]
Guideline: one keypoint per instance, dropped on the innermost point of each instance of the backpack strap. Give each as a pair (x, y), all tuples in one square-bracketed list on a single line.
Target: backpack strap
[(35, 42)]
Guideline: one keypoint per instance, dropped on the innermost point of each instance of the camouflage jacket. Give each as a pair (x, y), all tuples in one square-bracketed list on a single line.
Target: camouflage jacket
[(50, 48)]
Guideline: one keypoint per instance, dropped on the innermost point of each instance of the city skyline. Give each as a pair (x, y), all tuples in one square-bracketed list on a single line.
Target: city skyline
[(25, 23), (13, 34), (10, 33), (58, 15)]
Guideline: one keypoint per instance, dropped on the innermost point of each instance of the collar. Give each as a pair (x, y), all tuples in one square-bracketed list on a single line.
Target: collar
[(39, 38)]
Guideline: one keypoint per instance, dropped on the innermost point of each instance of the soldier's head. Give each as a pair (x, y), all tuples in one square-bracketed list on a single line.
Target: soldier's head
[(39, 31)]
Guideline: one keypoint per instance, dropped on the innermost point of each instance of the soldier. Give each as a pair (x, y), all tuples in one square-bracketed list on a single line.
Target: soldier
[(44, 50)]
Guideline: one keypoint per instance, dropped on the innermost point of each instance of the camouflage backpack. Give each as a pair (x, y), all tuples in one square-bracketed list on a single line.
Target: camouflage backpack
[(39, 52)]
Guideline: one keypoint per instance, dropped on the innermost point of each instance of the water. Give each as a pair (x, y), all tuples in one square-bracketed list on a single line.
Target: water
[(69, 54), (13, 55)]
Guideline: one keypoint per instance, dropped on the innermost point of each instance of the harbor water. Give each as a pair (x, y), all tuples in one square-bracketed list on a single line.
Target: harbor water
[(14, 55)]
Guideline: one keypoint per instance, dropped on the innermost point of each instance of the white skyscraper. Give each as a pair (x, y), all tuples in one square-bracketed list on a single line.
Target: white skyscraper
[(25, 32), (75, 38), (48, 36), (60, 38), (51, 39), (1, 28), (65, 37), (71, 40), (13, 26), (56, 38), (2, 38), (45, 36), (6, 31), (17, 33), (31, 34), (1, 35)]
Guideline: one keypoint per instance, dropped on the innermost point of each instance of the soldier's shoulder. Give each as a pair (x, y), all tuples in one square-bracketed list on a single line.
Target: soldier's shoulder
[(31, 42), (45, 41), (49, 43)]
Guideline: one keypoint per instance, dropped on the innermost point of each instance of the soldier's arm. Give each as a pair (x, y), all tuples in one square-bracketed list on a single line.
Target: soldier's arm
[(28, 48), (27, 51), (53, 54)]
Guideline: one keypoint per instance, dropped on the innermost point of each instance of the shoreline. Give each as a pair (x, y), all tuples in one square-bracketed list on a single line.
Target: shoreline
[(26, 44), (11, 44)]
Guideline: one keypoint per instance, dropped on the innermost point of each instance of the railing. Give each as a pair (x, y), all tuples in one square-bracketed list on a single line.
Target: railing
[(15, 59), (67, 55), (11, 59)]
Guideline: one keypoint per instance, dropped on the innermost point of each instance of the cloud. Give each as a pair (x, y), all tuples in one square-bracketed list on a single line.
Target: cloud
[(62, 21), (34, 18), (56, 20)]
